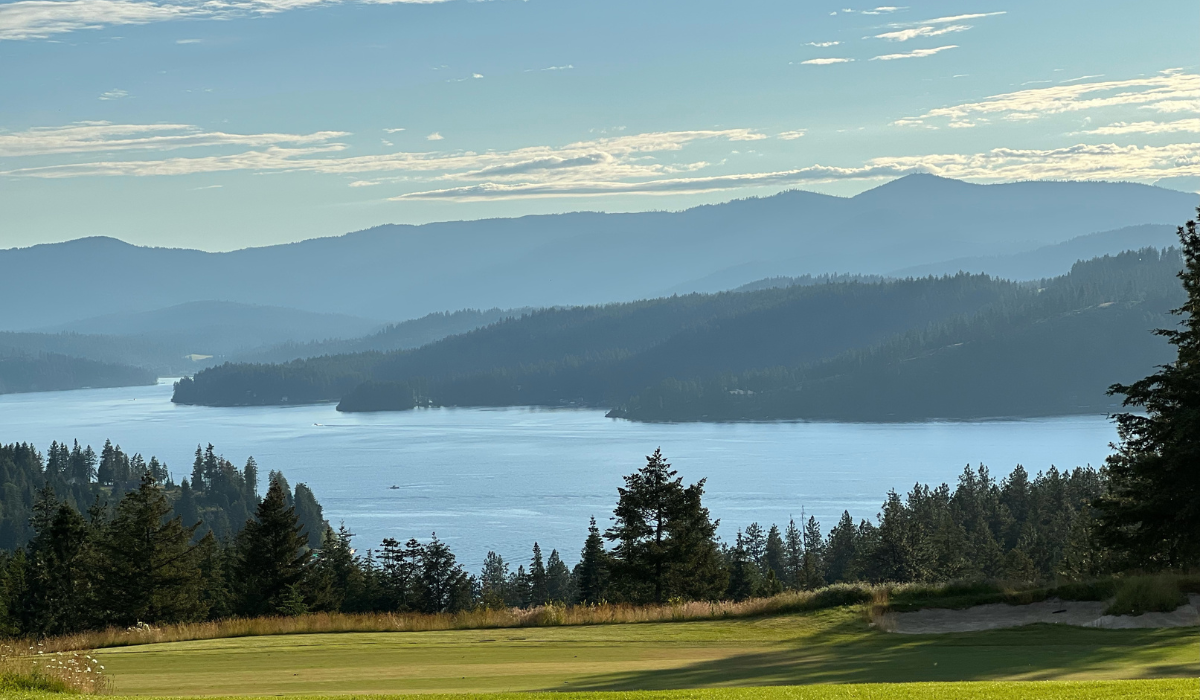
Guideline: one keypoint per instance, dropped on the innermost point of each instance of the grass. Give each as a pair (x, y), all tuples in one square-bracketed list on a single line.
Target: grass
[(1143, 594), (827, 646), (1090, 690), (884, 598)]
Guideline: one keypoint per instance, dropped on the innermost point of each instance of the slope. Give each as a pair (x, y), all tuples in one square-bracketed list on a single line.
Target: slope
[(402, 272)]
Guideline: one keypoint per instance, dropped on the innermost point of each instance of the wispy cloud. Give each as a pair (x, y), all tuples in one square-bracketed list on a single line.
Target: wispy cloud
[(791, 135), (1078, 162), (613, 158), (40, 19), (188, 41), (921, 32), (1169, 91), (395, 130), (113, 94), (919, 53), (92, 137), (1191, 126), (618, 165), (823, 44), (435, 136), (825, 61)]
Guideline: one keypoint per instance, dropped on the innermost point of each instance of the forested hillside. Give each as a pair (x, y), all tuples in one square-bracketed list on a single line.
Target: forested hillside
[(211, 492), (20, 372), (1052, 351), (952, 347), (396, 336), (600, 355)]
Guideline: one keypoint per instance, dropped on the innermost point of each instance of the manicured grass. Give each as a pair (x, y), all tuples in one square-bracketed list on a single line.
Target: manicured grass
[(831, 646), (1187, 689)]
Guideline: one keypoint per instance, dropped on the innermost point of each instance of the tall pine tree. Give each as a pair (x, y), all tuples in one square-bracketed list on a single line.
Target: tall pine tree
[(272, 554), (1151, 512)]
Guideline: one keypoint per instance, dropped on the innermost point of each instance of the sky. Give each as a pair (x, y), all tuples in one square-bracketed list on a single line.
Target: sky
[(224, 124)]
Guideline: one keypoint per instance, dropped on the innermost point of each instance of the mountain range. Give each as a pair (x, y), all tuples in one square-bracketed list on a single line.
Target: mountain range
[(398, 272)]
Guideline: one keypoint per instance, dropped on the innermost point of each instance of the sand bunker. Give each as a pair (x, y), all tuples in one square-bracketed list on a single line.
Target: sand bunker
[(1053, 611)]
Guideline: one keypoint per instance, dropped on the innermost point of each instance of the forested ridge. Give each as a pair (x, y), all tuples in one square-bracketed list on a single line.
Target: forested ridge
[(43, 371), (598, 354), (860, 350), (145, 550), (143, 558)]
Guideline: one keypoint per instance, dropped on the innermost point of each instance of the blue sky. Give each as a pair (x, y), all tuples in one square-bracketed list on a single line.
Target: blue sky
[(220, 124)]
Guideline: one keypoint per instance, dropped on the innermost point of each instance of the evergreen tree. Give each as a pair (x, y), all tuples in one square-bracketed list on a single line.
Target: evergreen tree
[(841, 550), (250, 477), (697, 571), (493, 582), (592, 572), (444, 586), (775, 554), (744, 577), (755, 542), (308, 511), (539, 591), (1151, 509), (793, 546), (272, 554), (108, 467), (198, 470), (814, 555), (148, 568), (663, 536), (558, 580), (57, 597), (336, 578)]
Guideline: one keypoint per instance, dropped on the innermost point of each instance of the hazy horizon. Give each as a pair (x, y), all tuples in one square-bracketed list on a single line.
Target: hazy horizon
[(219, 126)]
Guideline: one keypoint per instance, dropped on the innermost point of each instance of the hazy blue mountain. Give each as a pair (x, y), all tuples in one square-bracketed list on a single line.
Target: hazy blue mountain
[(164, 358), (21, 373), (221, 327), (1054, 260), (395, 336), (400, 272)]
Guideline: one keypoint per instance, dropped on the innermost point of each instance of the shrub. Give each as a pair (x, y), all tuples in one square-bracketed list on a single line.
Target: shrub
[(1143, 594)]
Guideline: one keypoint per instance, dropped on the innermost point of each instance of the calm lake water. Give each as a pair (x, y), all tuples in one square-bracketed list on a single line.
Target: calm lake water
[(501, 478)]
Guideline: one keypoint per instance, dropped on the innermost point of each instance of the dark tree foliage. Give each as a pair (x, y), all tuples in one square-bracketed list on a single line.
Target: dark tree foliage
[(378, 396), (147, 566), (601, 355), (57, 596), (1151, 511), (592, 573), (664, 539), (1048, 349), (20, 372), (273, 555)]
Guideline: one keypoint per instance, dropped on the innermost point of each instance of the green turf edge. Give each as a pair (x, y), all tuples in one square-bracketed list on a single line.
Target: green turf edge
[(1164, 689)]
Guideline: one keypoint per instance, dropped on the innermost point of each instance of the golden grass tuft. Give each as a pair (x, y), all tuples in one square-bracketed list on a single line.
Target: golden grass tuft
[(545, 616), (31, 666)]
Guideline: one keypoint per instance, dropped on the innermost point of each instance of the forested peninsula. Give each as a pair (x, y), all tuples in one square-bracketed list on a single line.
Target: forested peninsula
[(961, 346), (27, 372)]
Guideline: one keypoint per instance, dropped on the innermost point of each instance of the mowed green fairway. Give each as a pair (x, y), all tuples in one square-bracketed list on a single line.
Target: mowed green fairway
[(834, 646)]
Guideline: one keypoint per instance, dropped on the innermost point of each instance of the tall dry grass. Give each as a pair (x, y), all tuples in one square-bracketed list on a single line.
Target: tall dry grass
[(545, 616), (31, 666)]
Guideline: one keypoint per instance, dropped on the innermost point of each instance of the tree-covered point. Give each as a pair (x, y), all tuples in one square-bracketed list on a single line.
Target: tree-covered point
[(603, 354), (1052, 350), (26, 372), (218, 497), (952, 347)]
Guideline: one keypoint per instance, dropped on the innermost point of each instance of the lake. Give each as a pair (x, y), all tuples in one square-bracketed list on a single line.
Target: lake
[(498, 479)]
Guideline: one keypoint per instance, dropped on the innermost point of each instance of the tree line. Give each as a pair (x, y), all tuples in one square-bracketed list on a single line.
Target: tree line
[(142, 561), (961, 346), (22, 371)]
